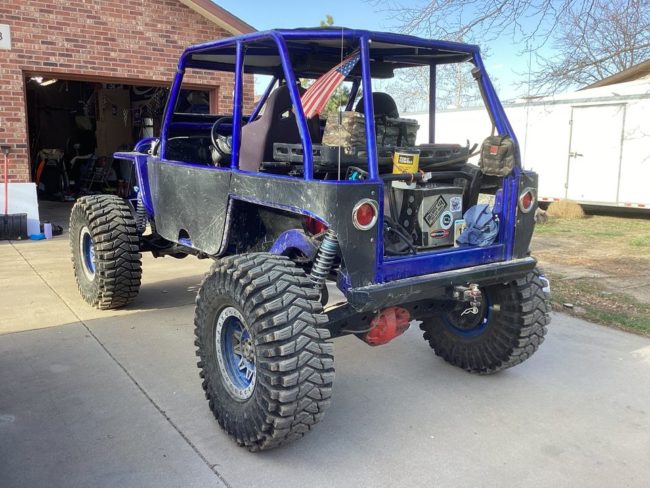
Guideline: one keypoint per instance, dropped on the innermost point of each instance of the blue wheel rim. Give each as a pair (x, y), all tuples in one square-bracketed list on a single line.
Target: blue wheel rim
[(235, 353), (87, 253), (469, 328)]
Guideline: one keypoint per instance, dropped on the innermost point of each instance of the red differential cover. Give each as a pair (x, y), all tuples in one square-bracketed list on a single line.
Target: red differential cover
[(388, 324)]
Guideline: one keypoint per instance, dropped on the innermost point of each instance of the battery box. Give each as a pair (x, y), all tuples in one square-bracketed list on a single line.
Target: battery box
[(429, 213)]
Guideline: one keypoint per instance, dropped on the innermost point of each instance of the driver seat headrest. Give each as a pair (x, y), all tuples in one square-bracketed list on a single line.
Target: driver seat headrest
[(383, 104)]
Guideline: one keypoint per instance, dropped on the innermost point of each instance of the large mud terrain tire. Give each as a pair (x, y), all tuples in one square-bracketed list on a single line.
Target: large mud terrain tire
[(508, 329), (266, 365), (105, 251)]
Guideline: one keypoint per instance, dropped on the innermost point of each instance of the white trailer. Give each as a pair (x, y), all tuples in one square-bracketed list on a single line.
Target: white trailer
[(591, 146)]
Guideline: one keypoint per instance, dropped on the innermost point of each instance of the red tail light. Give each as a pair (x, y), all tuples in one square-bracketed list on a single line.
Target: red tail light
[(527, 200), (313, 226), (364, 214)]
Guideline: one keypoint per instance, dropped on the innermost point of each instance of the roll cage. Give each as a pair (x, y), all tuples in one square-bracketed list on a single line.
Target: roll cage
[(302, 46)]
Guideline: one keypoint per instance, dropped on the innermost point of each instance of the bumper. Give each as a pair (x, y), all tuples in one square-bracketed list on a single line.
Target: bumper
[(374, 297)]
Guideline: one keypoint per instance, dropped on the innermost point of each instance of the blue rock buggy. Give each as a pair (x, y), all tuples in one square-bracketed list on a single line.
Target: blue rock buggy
[(284, 214)]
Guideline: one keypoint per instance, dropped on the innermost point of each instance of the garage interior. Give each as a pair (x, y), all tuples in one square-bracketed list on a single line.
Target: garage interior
[(75, 126)]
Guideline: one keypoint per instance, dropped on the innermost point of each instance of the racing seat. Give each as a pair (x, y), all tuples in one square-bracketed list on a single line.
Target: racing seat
[(276, 124), (383, 104)]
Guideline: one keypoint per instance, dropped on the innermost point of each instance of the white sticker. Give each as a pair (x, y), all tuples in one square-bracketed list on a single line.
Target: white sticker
[(5, 36), (446, 220), (459, 226), (455, 204)]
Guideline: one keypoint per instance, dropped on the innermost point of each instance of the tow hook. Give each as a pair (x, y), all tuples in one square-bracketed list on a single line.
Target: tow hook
[(471, 294)]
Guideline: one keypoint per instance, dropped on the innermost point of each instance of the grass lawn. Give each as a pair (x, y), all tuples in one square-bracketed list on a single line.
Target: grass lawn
[(612, 231), (596, 304), (600, 265)]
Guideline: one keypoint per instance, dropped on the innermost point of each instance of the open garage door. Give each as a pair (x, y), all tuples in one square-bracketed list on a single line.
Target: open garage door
[(75, 126)]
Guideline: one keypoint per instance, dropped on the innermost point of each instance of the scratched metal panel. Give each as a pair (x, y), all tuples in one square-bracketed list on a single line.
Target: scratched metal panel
[(190, 198), (331, 202)]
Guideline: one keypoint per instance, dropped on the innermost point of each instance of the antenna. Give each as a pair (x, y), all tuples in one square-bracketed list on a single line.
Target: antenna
[(339, 115), (530, 62)]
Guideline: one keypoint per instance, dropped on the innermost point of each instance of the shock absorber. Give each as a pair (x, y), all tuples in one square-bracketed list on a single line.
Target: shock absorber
[(328, 250), (140, 214)]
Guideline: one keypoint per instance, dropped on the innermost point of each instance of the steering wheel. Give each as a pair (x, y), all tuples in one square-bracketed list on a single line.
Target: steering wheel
[(222, 144)]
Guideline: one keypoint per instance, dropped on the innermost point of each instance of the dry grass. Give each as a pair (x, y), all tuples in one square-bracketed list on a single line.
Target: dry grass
[(565, 209), (613, 237), (591, 301), (600, 264)]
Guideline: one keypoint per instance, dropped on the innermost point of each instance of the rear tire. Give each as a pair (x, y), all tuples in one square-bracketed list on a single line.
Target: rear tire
[(509, 328), (267, 368), (105, 251)]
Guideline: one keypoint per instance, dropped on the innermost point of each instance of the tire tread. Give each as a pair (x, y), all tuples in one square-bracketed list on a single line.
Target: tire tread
[(523, 323), (295, 365), (117, 250)]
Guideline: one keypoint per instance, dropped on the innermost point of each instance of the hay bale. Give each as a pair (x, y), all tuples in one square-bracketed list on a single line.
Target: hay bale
[(565, 209)]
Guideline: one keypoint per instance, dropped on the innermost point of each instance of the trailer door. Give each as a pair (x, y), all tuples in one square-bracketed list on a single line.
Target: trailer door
[(595, 153)]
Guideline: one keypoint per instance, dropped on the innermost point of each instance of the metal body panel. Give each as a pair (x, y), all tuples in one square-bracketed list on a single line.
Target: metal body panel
[(329, 202), (139, 160), (525, 220), (192, 199)]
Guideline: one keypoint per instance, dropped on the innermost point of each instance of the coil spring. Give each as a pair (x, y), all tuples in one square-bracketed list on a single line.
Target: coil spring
[(140, 215), (328, 250)]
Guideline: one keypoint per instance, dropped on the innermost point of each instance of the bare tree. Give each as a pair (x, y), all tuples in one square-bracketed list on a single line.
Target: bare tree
[(594, 38), (455, 87), (610, 39), (530, 22)]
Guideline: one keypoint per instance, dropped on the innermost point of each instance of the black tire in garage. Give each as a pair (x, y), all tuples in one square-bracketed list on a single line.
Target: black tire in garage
[(266, 365), (509, 327), (105, 251)]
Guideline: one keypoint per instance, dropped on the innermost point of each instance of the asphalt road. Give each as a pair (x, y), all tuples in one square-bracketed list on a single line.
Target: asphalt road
[(113, 399)]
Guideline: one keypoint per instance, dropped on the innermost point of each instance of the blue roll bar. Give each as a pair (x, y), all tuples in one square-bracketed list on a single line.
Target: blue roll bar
[(237, 109), (279, 37), (368, 108)]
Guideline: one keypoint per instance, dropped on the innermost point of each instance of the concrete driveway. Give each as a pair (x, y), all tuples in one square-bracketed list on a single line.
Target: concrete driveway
[(90, 398)]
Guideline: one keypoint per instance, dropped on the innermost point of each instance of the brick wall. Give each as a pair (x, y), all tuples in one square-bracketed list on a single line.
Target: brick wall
[(130, 40)]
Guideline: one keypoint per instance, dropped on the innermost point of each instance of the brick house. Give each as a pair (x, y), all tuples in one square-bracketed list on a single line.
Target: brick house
[(102, 43)]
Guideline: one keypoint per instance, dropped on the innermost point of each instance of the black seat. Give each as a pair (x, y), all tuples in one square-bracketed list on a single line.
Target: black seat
[(276, 124), (383, 104)]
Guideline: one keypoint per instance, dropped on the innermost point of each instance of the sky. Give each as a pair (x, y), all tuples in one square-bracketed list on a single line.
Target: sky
[(503, 63)]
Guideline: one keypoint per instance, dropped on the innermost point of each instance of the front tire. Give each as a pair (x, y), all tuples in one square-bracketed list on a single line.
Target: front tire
[(105, 251), (509, 328), (267, 368)]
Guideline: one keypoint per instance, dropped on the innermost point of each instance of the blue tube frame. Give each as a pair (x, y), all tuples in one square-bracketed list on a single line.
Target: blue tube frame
[(389, 268), (369, 109), (237, 108), (262, 100), (170, 106), (353, 95)]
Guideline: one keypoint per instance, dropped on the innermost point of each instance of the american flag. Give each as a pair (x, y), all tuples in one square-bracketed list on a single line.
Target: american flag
[(317, 95)]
